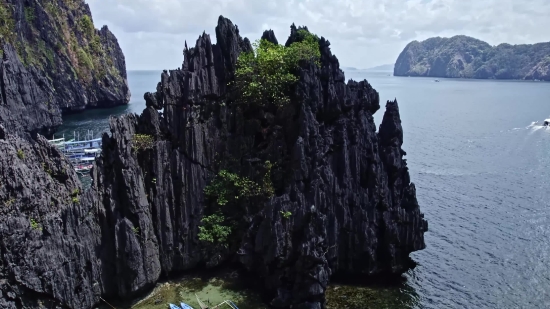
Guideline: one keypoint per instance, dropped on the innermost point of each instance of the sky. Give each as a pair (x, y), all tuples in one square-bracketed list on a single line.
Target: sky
[(362, 33)]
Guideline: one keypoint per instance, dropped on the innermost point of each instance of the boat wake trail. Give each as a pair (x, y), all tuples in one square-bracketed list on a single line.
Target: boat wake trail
[(537, 126)]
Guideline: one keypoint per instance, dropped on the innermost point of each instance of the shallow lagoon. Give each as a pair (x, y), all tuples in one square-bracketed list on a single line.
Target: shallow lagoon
[(212, 289)]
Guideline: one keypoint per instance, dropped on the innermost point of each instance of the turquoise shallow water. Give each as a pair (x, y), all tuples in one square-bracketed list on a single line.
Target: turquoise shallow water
[(481, 162)]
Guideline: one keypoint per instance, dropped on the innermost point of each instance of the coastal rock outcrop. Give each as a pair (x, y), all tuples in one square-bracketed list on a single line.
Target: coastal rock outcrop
[(49, 235), (58, 62), (465, 57), (313, 190), (343, 203), (25, 97)]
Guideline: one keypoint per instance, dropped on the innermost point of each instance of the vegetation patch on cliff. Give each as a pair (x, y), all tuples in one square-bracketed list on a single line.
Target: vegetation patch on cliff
[(229, 193), (264, 75), (142, 141), (7, 24)]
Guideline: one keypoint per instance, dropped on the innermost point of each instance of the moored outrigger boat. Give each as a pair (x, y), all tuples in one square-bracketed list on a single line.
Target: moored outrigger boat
[(80, 153), (59, 142), (229, 303)]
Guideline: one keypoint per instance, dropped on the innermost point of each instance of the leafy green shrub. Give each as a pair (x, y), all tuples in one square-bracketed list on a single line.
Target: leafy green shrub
[(20, 154), (142, 141), (228, 186), (86, 25), (264, 75), (35, 225), (84, 59), (52, 8), (75, 196), (29, 14), (286, 214), (7, 24), (95, 45), (48, 53), (213, 230)]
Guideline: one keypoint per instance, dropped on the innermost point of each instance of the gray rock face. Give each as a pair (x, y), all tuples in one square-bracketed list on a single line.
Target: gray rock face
[(56, 62), (353, 208), (343, 203), (26, 103), (49, 236)]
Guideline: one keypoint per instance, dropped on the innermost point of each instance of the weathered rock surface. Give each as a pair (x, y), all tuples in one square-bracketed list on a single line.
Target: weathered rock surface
[(25, 97), (56, 62), (466, 57), (353, 210), (49, 236)]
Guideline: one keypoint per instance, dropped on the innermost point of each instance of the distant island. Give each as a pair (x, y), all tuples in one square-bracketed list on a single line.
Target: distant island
[(466, 57), (384, 67)]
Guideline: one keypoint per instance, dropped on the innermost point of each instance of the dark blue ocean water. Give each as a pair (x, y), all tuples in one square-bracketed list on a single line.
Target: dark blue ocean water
[(481, 162)]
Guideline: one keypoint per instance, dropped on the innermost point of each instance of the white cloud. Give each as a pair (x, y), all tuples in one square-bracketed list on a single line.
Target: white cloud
[(363, 33)]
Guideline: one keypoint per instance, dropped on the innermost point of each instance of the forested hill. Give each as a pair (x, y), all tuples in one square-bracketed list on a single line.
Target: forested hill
[(466, 57)]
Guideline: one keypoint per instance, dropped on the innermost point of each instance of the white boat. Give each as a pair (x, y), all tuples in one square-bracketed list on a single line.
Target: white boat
[(56, 140), (59, 142), (81, 168), (81, 153), (228, 303), (547, 122), (93, 150)]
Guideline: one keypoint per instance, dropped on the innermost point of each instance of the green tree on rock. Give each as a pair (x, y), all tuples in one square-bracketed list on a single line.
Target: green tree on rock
[(265, 75)]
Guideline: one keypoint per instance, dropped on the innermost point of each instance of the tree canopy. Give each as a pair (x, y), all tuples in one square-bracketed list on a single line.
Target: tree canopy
[(265, 75)]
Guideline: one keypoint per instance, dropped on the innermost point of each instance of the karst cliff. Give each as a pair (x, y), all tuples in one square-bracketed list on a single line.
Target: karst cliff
[(54, 61), (295, 193)]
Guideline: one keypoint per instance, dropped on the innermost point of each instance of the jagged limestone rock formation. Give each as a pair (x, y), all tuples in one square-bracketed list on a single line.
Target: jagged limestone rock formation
[(49, 236), (25, 97), (352, 207), (465, 57), (55, 61), (325, 193)]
